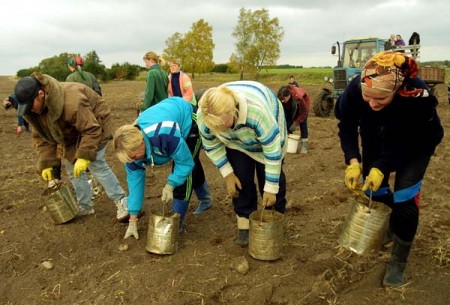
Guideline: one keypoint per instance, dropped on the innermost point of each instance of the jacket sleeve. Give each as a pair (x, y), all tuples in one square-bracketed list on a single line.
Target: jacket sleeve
[(136, 187), (149, 91), (347, 112), (47, 152), (188, 91), (89, 128), (183, 164)]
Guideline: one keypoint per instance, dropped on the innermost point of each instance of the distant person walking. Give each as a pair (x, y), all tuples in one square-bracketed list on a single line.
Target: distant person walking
[(292, 81), (296, 103), (79, 76), (157, 81)]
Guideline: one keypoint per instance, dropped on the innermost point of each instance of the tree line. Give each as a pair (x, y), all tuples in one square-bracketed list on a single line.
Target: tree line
[(257, 44)]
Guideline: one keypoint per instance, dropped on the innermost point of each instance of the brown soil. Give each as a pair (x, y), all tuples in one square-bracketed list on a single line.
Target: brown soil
[(313, 269)]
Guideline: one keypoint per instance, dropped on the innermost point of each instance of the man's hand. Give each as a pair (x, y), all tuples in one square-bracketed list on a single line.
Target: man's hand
[(167, 194), (132, 230), (80, 166), (233, 185), (47, 174), (292, 128), (7, 104), (374, 180), (352, 175), (269, 199)]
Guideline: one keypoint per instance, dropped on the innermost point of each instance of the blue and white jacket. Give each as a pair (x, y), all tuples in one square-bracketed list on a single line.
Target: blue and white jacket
[(165, 126)]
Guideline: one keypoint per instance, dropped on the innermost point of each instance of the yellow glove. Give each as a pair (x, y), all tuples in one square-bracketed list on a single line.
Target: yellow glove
[(269, 199), (47, 174), (352, 175), (232, 183), (373, 181), (80, 166)]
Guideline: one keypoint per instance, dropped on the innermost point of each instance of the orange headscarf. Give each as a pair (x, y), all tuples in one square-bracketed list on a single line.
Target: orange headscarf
[(387, 70)]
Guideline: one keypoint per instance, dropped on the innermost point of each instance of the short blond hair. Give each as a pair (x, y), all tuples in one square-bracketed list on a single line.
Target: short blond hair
[(215, 102), (150, 55), (127, 140)]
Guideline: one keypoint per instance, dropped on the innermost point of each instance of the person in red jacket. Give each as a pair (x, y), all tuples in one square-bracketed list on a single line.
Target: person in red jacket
[(296, 104)]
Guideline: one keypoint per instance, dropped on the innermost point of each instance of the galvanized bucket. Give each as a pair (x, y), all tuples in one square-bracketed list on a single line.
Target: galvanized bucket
[(365, 226), (162, 237), (61, 204), (266, 235)]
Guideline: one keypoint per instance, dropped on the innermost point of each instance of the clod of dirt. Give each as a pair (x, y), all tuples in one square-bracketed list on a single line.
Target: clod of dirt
[(47, 265), (240, 264), (123, 247)]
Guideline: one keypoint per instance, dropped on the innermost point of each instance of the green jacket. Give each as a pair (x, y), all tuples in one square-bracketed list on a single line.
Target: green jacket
[(156, 87), (83, 77)]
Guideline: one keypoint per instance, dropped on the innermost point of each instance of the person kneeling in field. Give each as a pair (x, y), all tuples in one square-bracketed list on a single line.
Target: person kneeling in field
[(164, 132)]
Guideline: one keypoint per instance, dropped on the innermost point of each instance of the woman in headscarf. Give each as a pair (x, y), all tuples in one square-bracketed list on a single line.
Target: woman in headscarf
[(395, 116)]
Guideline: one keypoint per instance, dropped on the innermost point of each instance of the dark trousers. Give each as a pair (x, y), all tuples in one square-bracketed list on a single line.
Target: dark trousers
[(245, 168), (304, 129), (197, 176), (404, 201)]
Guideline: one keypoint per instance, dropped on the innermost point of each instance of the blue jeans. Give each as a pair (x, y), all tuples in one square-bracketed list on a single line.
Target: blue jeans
[(103, 174)]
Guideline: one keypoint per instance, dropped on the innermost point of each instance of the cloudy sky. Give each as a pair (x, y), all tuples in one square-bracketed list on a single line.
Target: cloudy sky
[(123, 30)]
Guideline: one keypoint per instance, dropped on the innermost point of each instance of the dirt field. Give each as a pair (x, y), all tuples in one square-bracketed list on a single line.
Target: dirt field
[(313, 269)]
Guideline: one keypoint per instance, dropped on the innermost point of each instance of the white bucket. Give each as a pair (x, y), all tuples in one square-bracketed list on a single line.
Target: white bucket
[(293, 140)]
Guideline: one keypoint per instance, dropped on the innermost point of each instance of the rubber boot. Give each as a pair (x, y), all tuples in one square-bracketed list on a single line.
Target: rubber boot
[(388, 239), (394, 276), (204, 196), (304, 146), (180, 206), (243, 225)]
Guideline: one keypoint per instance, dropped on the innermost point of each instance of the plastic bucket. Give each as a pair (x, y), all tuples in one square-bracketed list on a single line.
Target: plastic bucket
[(365, 226), (61, 204), (293, 140), (266, 235), (162, 237)]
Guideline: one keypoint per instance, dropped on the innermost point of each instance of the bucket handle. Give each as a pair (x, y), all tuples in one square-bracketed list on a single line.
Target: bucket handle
[(262, 210)]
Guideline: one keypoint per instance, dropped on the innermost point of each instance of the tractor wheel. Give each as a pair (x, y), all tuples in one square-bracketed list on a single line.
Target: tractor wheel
[(324, 104)]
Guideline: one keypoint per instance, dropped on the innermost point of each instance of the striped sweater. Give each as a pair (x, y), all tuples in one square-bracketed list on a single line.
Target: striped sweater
[(259, 132)]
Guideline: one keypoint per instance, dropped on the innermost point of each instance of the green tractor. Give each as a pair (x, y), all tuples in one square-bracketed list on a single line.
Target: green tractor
[(352, 56)]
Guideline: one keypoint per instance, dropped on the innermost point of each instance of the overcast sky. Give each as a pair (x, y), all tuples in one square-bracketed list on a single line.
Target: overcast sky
[(122, 31)]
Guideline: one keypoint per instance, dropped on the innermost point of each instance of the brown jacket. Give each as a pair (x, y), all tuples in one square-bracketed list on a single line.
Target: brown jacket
[(75, 117)]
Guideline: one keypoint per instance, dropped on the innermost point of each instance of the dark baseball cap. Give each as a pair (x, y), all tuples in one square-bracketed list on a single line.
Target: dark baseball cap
[(26, 91)]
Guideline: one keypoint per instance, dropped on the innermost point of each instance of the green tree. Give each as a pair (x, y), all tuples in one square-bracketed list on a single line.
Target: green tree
[(194, 49), (93, 64), (257, 40), (198, 47), (174, 47), (56, 66)]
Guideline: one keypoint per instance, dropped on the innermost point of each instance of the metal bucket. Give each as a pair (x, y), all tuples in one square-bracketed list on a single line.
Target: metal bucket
[(266, 235), (365, 226), (61, 204), (162, 237)]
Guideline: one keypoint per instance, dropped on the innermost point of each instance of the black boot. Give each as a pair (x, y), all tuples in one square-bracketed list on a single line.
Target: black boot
[(397, 264), (388, 239), (242, 239)]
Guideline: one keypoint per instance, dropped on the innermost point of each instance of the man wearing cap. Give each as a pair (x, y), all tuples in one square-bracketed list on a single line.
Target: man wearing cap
[(74, 116), (395, 116)]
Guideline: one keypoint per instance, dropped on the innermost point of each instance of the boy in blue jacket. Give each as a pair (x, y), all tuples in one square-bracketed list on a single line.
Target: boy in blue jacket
[(164, 132)]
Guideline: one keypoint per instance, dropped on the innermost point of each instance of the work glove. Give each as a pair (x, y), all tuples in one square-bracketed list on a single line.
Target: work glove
[(7, 104), (352, 175), (47, 174), (19, 130), (80, 166), (132, 229), (292, 128), (167, 194), (232, 183), (269, 199), (373, 180)]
